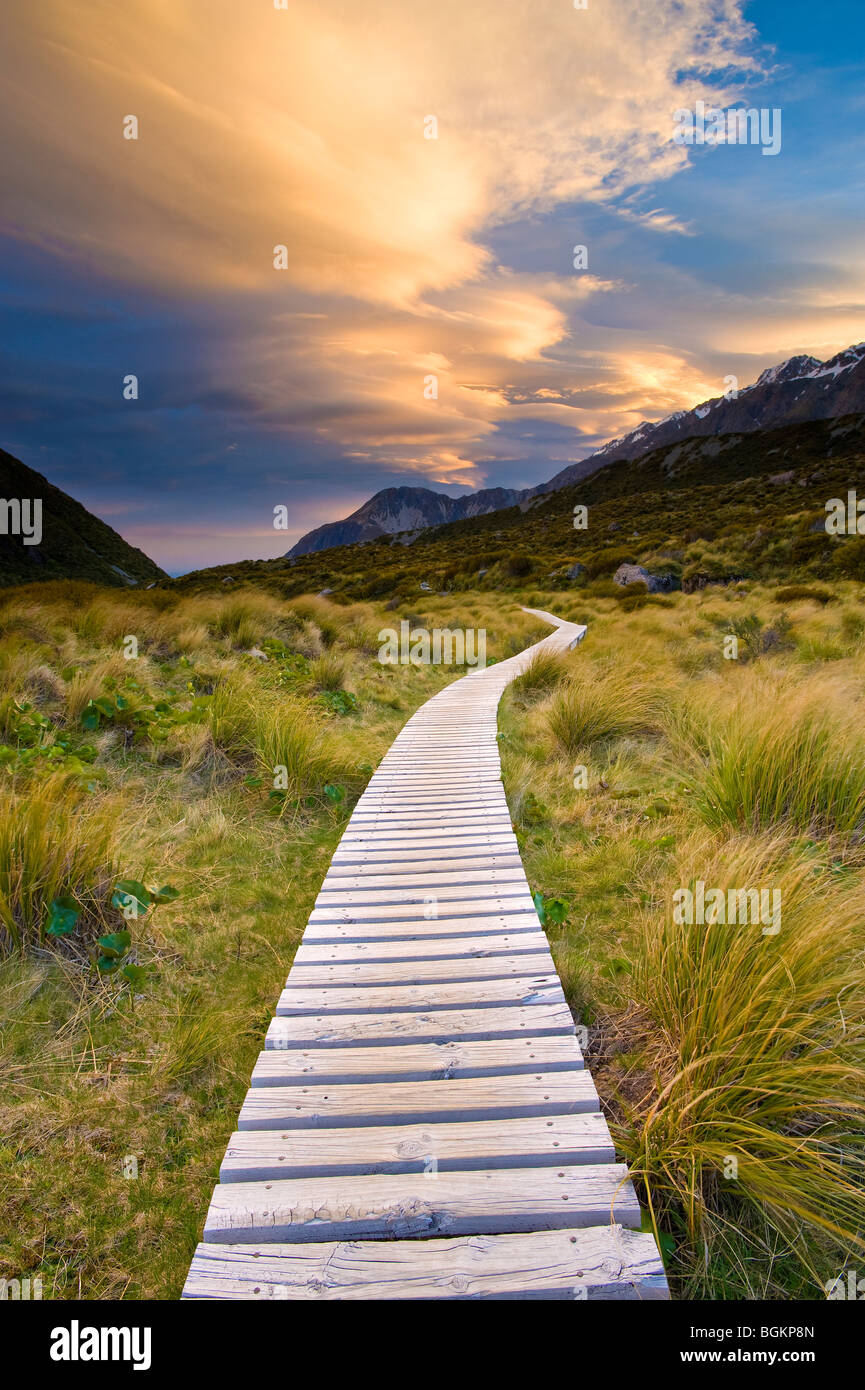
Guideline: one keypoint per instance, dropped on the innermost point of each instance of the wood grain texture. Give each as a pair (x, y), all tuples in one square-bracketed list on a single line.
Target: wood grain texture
[(521, 1142), (395, 1205), (325, 1029), (604, 1262), (313, 1105), (416, 1061)]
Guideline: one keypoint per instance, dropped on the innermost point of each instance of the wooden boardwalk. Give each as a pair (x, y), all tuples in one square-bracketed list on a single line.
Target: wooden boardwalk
[(421, 1125)]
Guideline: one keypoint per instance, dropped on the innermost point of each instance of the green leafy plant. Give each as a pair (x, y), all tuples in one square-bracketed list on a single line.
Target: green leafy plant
[(551, 911), (338, 701), (63, 914)]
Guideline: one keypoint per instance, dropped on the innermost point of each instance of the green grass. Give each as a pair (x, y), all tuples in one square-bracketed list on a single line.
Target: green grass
[(706, 1043), (712, 1043), (176, 785)]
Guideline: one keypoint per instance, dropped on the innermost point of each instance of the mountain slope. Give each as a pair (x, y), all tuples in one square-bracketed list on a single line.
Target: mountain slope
[(800, 389), (402, 509), (707, 510), (74, 545)]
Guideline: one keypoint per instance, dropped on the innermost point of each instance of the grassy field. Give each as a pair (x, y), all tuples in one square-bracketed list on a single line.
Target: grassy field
[(138, 797), (157, 770), (731, 1059)]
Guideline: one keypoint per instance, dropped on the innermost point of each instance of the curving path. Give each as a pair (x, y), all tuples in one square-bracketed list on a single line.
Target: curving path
[(421, 1124)]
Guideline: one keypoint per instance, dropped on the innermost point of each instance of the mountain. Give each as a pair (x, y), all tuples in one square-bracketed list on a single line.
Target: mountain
[(802, 388), (74, 544), (402, 509), (708, 510)]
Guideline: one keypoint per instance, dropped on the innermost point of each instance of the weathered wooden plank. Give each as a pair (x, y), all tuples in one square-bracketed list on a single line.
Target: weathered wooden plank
[(418, 1102), (373, 878), (328, 1030), (416, 1061), (450, 1146), (424, 906), (397, 1205), (424, 947), (472, 994), (502, 851), (420, 928), (379, 974), (602, 1262), (423, 838)]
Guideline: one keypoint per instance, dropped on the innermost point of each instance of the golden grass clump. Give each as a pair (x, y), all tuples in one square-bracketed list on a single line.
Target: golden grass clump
[(759, 1050), (543, 673), (603, 704), (53, 844)]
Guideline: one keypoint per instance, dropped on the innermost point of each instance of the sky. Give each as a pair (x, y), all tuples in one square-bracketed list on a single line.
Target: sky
[(303, 379)]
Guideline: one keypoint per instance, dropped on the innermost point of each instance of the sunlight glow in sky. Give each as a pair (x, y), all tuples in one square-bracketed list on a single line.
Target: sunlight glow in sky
[(406, 256)]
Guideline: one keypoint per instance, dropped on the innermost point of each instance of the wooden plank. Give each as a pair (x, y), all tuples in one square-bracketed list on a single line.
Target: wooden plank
[(472, 994), (522, 1142), (450, 902), (439, 875), (418, 1102), (380, 974), (416, 1061), (503, 850), (397, 1205), (430, 834), (424, 947), (392, 1029), (428, 929), (396, 888), (602, 1262)]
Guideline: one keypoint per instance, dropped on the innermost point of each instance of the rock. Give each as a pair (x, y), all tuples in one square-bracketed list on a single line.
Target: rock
[(323, 593), (614, 526), (391, 604), (257, 652), (638, 574), (695, 582), (228, 579), (481, 573), (574, 571), (780, 478), (424, 586)]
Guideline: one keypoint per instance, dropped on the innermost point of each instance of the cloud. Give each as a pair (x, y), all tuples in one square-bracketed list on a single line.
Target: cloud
[(304, 127)]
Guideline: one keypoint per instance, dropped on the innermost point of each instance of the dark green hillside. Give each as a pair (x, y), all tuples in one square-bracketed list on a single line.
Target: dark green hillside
[(75, 544), (708, 510)]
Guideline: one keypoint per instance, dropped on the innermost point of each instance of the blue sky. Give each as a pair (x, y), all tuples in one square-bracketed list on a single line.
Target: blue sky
[(407, 257)]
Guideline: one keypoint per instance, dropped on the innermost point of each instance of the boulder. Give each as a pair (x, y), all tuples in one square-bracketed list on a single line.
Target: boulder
[(638, 574)]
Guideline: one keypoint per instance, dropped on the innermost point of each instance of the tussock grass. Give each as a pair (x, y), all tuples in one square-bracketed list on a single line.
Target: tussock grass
[(544, 672), (288, 736), (89, 683), (760, 1053), (773, 761), (329, 672), (602, 705), (53, 844)]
